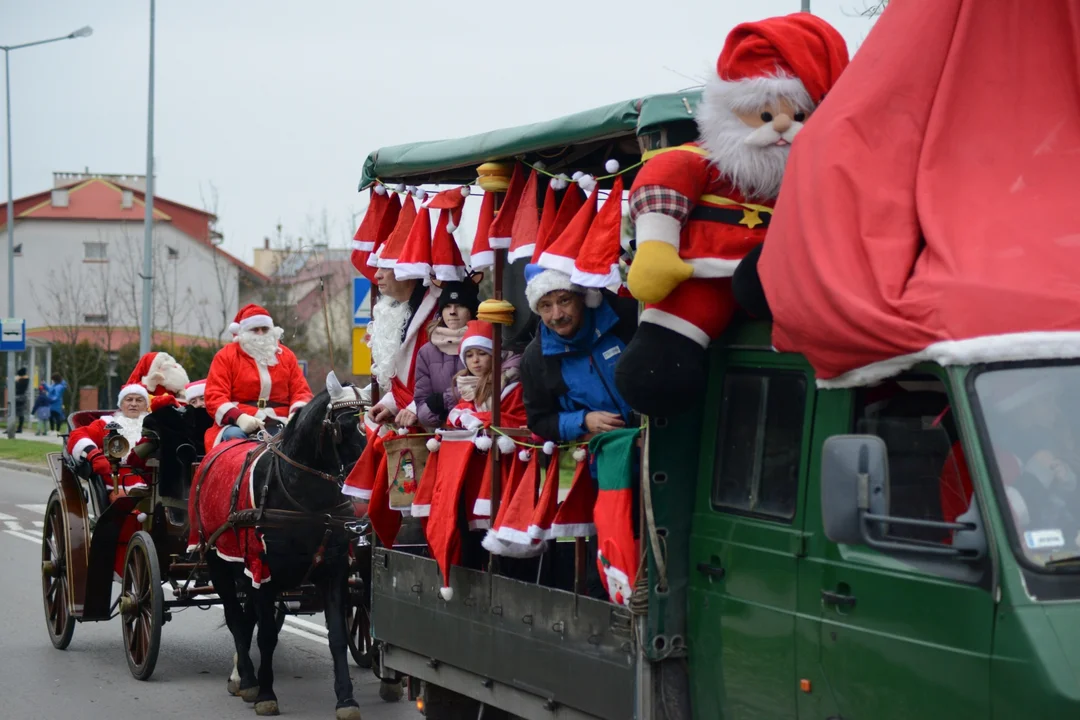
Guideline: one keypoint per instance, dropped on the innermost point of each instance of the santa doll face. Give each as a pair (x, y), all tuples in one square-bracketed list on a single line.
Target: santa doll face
[(775, 123), (133, 406)]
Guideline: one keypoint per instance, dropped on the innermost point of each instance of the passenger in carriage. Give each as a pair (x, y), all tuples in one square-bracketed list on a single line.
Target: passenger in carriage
[(440, 360), (255, 382), (473, 386)]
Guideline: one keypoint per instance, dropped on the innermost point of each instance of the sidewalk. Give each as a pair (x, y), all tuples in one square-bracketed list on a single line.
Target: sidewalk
[(51, 437)]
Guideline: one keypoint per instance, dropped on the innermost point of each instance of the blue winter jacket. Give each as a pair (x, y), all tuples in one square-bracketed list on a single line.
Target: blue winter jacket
[(566, 378), (56, 396)]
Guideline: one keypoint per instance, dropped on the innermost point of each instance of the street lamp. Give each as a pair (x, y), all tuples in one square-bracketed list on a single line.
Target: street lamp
[(82, 32)]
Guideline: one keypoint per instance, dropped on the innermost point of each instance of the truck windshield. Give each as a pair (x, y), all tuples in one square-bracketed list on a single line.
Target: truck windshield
[(1032, 418)]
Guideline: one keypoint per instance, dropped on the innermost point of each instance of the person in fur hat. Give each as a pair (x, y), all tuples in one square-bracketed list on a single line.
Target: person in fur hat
[(160, 373), (699, 208)]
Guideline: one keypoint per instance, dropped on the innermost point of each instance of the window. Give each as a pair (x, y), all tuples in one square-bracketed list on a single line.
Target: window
[(927, 476), (95, 319), (759, 445), (95, 252), (18, 250), (173, 253), (60, 198)]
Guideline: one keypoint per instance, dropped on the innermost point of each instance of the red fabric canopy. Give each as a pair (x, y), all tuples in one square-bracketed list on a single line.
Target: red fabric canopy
[(928, 208)]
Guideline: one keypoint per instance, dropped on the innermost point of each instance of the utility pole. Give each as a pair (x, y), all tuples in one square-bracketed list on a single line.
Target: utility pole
[(147, 328), (806, 5)]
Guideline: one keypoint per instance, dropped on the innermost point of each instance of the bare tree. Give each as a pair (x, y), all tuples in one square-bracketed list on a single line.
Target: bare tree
[(171, 305), (214, 320)]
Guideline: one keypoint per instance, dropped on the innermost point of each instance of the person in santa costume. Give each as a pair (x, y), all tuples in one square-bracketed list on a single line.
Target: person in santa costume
[(160, 373), (253, 381), (698, 209), (473, 386)]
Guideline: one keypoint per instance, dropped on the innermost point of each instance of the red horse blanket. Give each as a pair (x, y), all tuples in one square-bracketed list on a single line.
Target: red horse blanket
[(211, 502)]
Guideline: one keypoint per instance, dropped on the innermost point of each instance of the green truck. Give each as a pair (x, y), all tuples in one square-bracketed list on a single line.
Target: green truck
[(811, 553)]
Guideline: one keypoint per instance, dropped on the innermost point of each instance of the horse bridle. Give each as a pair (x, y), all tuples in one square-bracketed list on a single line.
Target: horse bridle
[(330, 425)]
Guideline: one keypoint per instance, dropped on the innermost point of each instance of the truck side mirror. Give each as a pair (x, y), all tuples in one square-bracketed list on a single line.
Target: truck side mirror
[(854, 481)]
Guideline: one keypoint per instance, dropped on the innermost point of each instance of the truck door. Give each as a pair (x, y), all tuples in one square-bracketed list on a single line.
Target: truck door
[(901, 636), (746, 542)]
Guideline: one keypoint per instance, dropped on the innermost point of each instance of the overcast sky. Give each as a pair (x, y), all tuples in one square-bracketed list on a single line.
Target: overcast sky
[(276, 103)]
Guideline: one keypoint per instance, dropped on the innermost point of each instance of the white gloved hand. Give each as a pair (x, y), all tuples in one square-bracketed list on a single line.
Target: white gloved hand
[(249, 423)]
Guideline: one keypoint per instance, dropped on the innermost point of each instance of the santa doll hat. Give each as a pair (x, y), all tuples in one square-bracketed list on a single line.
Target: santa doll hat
[(414, 260), (147, 364), (526, 223), (249, 317), (797, 56), (481, 255), (478, 334), (132, 389), (501, 232), (596, 263), (386, 254), (195, 389)]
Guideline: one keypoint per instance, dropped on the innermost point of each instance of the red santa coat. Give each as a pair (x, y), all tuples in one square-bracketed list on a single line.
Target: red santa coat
[(90, 437), (399, 396), (679, 197), (466, 416), (238, 385)]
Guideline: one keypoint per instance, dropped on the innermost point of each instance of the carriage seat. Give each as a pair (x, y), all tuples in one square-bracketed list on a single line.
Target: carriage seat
[(82, 418)]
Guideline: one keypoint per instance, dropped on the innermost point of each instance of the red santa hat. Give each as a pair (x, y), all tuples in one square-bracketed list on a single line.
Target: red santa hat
[(414, 261), (574, 517), (502, 230), (132, 389), (249, 317), (560, 254), (792, 56), (526, 222), (447, 265), (379, 220), (596, 264), (478, 334), (482, 256), (386, 255), (196, 389)]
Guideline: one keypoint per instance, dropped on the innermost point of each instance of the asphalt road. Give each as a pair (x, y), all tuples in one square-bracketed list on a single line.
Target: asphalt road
[(91, 680)]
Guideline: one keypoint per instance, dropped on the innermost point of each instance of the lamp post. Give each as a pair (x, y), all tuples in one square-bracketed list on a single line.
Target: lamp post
[(80, 33), (146, 328)]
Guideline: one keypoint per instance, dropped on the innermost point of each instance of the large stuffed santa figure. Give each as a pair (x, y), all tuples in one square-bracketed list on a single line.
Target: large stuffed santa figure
[(699, 208), (159, 373), (253, 380)]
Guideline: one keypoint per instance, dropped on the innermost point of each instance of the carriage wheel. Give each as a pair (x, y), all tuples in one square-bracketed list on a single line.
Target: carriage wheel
[(54, 580), (142, 605), (359, 625)]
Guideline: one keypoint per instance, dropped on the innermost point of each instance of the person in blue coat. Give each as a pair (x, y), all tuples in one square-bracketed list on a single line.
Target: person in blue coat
[(57, 419), (568, 370)]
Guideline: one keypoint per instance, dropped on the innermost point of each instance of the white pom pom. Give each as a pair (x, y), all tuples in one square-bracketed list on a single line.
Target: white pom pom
[(524, 455), (141, 517), (587, 183), (580, 453), (403, 431), (482, 443), (465, 190), (555, 183), (399, 188), (506, 445), (446, 593), (539, 165), (612, 166), (433, 444), (577, 176), (421, 193), (234, 328), (411, 189), (380, 189), (549, 448)]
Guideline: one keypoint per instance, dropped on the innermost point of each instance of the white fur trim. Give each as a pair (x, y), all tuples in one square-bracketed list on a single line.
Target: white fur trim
[(713, 267), (658, 226), (255, 321), (387, 401), (362, 493), (476, 341), (412, 271), (673, 322), (499, 243), (750, 94), (512, 535), (572, 530), (1036, 345), (483, 259), (480, 524), (195, 390), (132, 390), (565, 265), (449, 273), (596, 280), (525, 251), (219, 416), (538, 533), (482, 507), (363, 245), (547, 282), (420, 510), (82, 448), (265, 386), (296, 406)]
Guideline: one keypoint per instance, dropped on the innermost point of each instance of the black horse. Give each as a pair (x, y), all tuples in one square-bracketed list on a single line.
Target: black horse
[(301, 472)]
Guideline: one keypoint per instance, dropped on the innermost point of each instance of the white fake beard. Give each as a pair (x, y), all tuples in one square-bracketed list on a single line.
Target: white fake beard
[(389, 319), (130, 428), (262, 348), (175, 377), (748, 158)]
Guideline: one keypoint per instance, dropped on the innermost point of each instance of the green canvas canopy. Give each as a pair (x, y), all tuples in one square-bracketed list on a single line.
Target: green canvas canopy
[(582, 141)]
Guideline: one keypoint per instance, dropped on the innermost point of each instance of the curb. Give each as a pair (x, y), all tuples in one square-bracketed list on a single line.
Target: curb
[(24, 467)]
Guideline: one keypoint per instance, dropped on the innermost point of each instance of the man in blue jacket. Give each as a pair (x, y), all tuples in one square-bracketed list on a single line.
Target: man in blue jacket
[(57, 419), (568, 371)]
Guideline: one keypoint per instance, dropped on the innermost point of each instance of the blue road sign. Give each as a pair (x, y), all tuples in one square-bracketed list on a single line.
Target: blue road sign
[(361, 303), (12, 335), (303, 366)]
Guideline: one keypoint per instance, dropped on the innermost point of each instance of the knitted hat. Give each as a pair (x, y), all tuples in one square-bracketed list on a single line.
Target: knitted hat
[(540, 281), (462, 292), (526, 223), (249, 317), (132, 389), (478, 334), (482, 255), (196, 389), (596, 264)]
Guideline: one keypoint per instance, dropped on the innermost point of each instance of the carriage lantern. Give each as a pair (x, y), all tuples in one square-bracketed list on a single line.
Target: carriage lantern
[(116, 449)]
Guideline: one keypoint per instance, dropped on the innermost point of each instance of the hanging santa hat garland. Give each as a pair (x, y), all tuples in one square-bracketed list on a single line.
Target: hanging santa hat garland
[(447, 265), (414, 260), (526, 223), (574, 517), (596, 264), (364, 239), (560, 254), (501, 232), (482, 256), (387, 254)]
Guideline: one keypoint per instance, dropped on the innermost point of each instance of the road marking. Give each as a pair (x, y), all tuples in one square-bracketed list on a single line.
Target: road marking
[(13, 525), (39, 523), (31, 538), (303, 634), (306, 624), (6, 517), (39, 509)]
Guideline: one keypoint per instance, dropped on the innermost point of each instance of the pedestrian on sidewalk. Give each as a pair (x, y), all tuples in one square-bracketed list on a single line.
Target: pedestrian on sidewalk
[(42, 410), (57, 418), (22, 397)]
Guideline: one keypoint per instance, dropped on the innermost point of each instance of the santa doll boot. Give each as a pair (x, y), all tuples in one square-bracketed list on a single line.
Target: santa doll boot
[(544, 513), (574, 517), (444, 539), (618, 550)]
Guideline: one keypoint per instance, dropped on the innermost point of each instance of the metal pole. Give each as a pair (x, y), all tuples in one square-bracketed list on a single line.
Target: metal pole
[(146, 330), (806, 6), (10, 251)]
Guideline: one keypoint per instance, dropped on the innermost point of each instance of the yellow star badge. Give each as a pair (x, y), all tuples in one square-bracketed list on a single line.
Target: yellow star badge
[(751, 218)]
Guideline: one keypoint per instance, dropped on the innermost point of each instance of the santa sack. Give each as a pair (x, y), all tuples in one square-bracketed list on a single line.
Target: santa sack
[(406, 457), (618, 551), (210, 504)]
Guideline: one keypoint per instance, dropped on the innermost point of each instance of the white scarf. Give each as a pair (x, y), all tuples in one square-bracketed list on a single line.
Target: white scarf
[(389, 320), (130, 428)]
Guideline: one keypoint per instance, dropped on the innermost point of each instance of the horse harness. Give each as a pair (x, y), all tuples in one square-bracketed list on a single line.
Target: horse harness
[(264, 517)]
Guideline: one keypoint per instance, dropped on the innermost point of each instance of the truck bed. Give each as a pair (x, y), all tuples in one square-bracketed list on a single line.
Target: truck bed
[(535, 651)]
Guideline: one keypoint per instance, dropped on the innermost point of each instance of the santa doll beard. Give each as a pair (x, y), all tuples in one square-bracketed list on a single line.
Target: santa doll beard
[(175, 378), (756, 170), (262, 348), (390, 318)]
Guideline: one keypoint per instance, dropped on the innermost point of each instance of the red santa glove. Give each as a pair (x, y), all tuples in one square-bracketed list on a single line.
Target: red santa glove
[(163, 401), (99, 463)]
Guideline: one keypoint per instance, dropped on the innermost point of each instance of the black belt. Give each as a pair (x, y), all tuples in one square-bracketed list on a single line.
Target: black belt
[(728, 216)]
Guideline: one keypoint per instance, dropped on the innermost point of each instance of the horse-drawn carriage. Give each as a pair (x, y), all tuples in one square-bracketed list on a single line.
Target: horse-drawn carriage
[(95, 533)]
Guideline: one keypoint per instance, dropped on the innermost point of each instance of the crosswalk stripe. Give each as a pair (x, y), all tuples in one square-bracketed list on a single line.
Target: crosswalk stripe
[(6, 517), (305, 624), (39, 509), (39, 523), (13, 525), (31, 538)]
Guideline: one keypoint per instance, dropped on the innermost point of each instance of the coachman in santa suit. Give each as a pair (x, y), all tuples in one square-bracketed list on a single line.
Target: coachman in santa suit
[(699, 208), (254, 380), (160, 373)]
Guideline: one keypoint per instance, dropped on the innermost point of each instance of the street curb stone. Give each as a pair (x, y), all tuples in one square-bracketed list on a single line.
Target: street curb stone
[(24, 467)]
